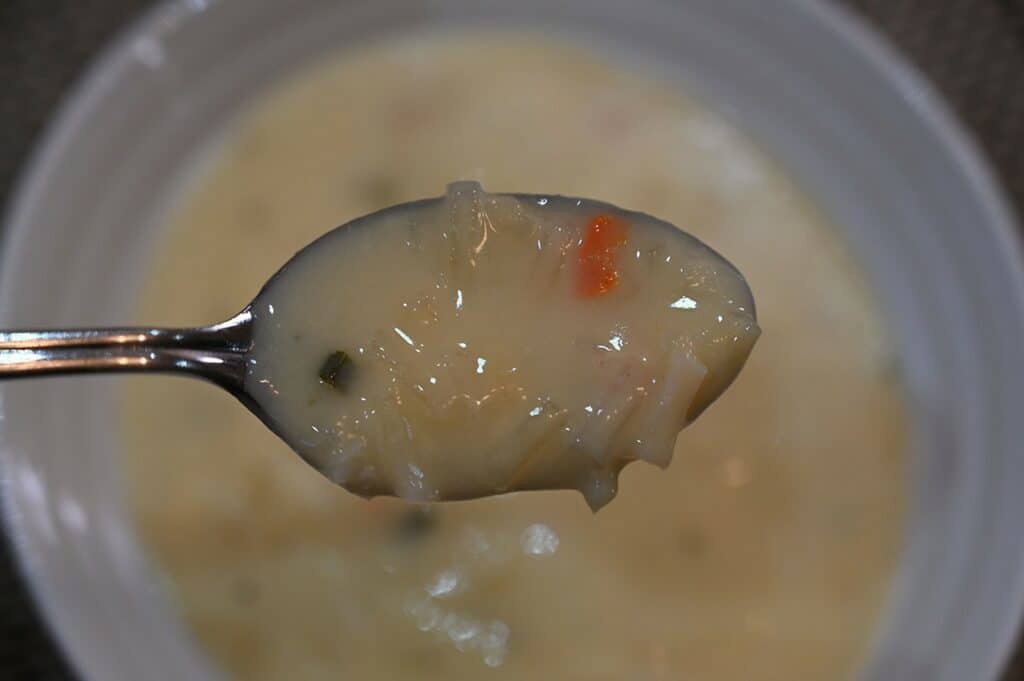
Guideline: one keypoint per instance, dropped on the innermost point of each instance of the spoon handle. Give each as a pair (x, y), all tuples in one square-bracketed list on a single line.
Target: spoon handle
[(215, 353)]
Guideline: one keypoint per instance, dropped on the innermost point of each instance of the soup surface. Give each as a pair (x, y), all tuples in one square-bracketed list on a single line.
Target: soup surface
[(493, 343), (764, 552)]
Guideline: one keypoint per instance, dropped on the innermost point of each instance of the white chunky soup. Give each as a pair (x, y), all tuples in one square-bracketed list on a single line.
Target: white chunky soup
[(483, 343), (763, 552)]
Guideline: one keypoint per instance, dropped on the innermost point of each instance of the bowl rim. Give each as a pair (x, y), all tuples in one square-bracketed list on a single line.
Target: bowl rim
[(1005, 225), (862, 39)]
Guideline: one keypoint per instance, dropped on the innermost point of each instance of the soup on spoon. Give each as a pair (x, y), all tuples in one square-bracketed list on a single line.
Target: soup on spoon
[(481, 343)]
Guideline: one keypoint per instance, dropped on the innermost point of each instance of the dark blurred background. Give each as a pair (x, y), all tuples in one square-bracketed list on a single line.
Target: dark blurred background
[(972, 50)]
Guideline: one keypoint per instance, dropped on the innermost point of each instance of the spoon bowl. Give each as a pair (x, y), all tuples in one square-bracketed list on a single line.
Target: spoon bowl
[(570, 410)]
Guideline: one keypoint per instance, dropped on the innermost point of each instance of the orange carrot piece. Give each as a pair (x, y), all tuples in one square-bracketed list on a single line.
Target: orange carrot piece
[(596, 273)]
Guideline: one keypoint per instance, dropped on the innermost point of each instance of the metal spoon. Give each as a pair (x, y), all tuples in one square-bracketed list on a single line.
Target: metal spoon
[(222, 353), (215, 353)]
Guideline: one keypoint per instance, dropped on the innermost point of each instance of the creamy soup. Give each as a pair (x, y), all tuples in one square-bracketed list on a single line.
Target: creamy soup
[(482, 343), (764, 552)]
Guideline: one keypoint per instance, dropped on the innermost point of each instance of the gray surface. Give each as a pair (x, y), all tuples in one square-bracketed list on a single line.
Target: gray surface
[(972, 49)]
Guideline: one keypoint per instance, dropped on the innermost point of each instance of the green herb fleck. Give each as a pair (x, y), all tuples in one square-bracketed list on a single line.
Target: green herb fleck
[(414, 524), (336, 369)]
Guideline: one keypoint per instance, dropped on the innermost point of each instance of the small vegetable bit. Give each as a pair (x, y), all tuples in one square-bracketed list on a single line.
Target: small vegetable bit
[(596, 271), (335, 369), (415, 523)]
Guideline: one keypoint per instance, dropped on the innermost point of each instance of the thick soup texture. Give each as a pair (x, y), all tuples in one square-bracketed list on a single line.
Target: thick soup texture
[(764, 552), (478, 344)]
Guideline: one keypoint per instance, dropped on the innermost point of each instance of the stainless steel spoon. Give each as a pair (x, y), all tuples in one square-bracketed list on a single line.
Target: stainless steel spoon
[(215, 353), (225, 353)]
